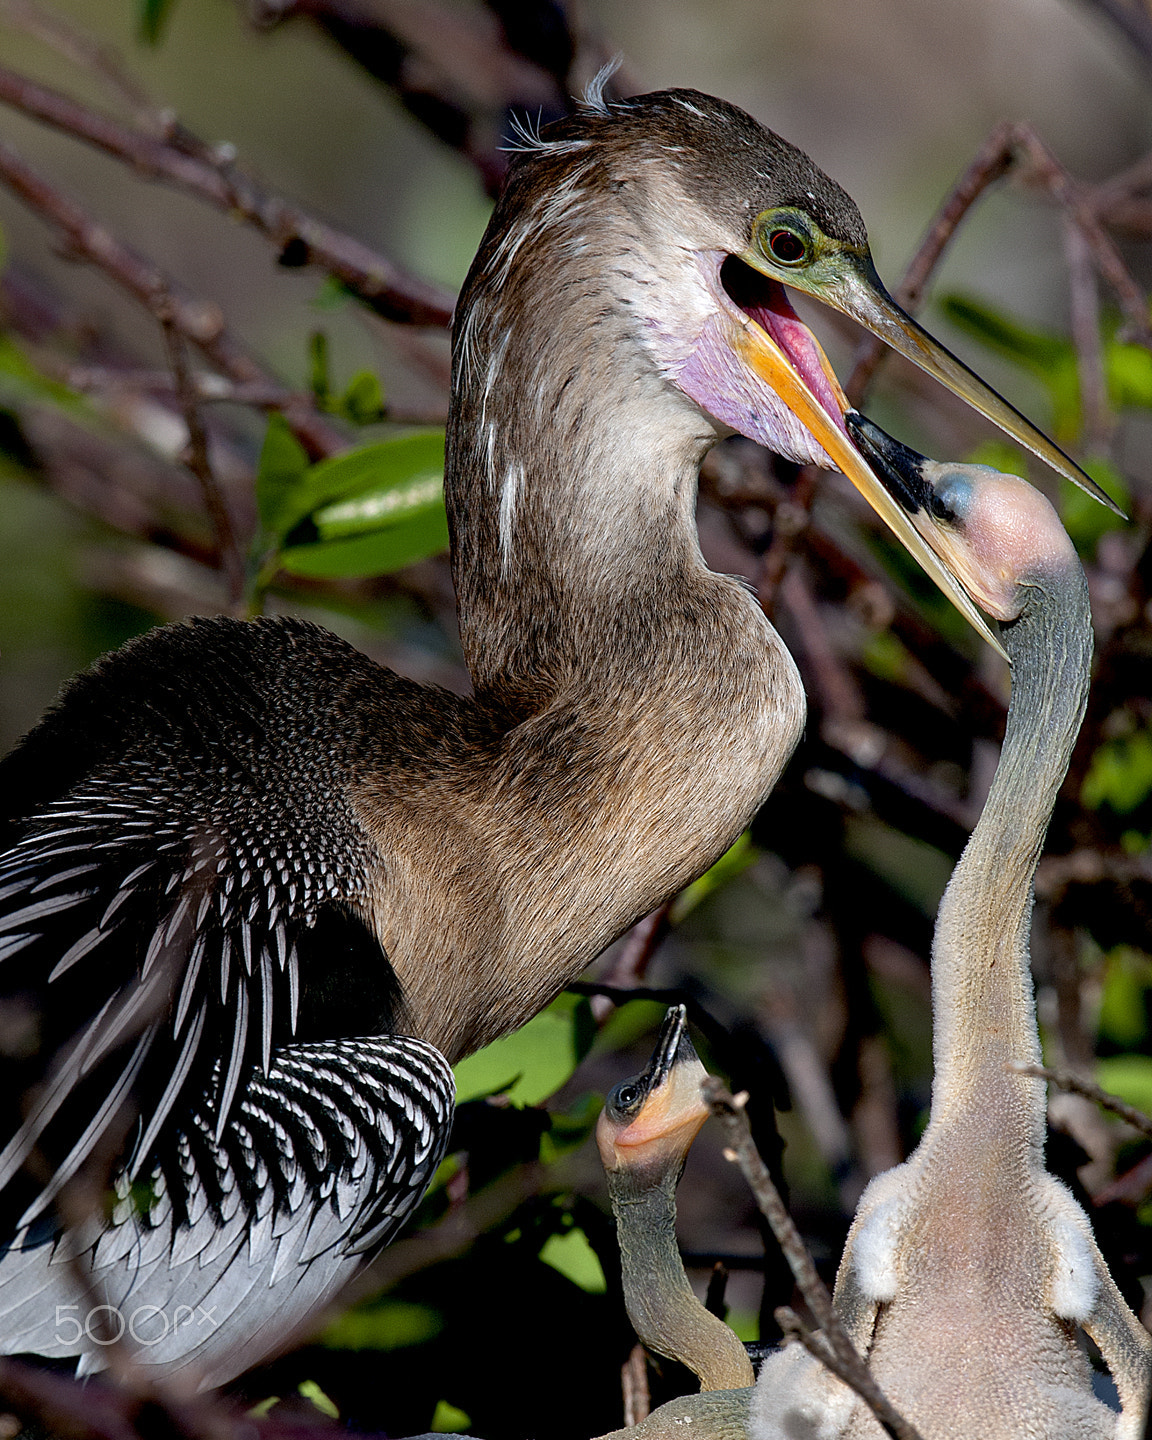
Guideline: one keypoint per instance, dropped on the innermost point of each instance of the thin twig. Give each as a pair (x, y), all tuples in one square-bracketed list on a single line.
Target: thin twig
[(989, 163), (300, 239), (210, 389), (199, 462), (839, 695), (729, 1110), (791, 518), (634, 1386), (793, 1328), (199, 322), (1011, 146), (1066, 1080), (1084, 313), (1132, 20), (1044, 168), (80, 49), (630, 964)]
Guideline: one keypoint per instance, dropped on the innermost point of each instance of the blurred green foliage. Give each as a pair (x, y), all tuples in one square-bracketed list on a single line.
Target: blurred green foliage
[(151, 17), (369, 511), (1120, 775), (532, 1063)]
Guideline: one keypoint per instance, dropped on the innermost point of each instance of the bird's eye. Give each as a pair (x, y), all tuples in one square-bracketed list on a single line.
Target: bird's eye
[(951, 499), (786, 247), (626, 1095)]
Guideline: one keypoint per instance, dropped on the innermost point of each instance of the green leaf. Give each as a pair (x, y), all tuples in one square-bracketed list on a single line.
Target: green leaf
[(1120, 775), (535, 1061), (575, 1258), (385, 1324), (631, 1020), (449, 1419), (1129, 1077), (383, 463), (313, 1393), (568, 1129), (1049, 357), (1127, 977), (1000, 455), (152, 16), (379, 466), (332, 294), (733, 862), (378, 553), (886, 657), (1040, 351), (363, 401), (1128, 370), (20, 380), (381, 508), (280, 476), (1084, 517)]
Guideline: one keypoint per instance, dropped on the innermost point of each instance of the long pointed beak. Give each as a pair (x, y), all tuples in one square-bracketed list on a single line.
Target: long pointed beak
[(760, 352), (862, 296)]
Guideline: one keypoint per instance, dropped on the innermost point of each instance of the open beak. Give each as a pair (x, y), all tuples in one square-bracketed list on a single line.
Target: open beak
[(862, 296), (761, 352)]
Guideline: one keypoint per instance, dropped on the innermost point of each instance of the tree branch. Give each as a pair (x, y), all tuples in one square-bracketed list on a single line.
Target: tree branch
[(1008, 147), (197, 321), (729, 1110), (211, 176), (230, 558), (1066, 1080)]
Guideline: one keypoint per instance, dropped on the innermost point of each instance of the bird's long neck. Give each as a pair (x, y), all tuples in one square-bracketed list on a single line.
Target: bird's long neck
[(572, 456), (665, 1314), (573, 510), (983, 1008)]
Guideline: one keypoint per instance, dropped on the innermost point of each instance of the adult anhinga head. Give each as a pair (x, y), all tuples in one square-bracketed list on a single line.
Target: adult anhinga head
[(644, 1134), (636, 272)]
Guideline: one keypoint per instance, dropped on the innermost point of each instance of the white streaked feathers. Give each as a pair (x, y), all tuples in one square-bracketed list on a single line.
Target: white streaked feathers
[(509, 496), (334, 1147)]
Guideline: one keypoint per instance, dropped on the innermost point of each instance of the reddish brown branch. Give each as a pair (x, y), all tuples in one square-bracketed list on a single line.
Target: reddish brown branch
[(190, 166), (1012, 147), (1075, 1085), (199, 322), (989, 163), (230, 558)]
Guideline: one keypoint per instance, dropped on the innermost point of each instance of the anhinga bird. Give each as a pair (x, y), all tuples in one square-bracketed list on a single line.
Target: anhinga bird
[(644, 1134), (969, 1270), (241, 861)]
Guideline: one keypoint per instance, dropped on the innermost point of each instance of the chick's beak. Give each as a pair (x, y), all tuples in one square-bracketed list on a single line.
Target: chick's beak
[(784, 372), (673, 1110)]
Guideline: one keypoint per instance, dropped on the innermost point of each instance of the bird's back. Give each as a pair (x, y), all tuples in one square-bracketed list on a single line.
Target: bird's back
[(183, 942)]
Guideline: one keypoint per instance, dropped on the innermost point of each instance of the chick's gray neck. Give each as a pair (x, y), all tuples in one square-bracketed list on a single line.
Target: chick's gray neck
[(982, 989)]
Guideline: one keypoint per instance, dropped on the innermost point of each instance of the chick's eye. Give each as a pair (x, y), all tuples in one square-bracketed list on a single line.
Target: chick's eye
[(786, 246), (626, 1096), (951, 500)]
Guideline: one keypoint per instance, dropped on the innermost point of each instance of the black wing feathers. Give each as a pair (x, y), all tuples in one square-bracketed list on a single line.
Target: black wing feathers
[(180, 881)]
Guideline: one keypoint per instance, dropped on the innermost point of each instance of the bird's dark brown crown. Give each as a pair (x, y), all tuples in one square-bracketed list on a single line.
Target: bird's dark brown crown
[(721, 155)]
